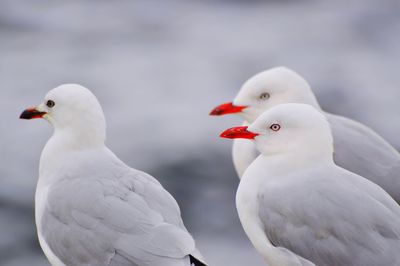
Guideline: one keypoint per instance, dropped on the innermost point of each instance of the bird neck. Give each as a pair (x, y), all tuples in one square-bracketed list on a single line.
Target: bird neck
[(63, 148), (278, 165), (307, 97), (86, 131), (71, 139)]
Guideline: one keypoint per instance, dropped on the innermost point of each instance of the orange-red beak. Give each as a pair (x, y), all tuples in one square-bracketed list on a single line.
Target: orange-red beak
[(238, 133), (227, 108), (31, 113)]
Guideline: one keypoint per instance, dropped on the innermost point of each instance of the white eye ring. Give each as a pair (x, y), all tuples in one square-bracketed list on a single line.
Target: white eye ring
[(275, 127), (264, 96)]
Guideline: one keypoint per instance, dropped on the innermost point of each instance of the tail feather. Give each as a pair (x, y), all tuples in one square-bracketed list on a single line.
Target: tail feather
[(196, 262)]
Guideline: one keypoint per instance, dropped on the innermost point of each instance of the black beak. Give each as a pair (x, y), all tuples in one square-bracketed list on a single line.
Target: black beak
[(31, 113)]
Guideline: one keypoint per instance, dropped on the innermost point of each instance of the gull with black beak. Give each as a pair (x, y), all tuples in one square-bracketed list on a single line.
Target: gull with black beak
[(357, 148), (299, 208), (90, 208)]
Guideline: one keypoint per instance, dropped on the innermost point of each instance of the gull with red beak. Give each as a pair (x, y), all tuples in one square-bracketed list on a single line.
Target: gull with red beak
[(91, 208), (299, 208), (357, 148)]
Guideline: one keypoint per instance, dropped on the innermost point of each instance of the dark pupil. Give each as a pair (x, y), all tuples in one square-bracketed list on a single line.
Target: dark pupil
[(50, 103), (275, 127)]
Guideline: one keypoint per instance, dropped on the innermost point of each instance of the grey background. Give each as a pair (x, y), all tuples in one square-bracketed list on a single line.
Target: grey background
[(158, 67)]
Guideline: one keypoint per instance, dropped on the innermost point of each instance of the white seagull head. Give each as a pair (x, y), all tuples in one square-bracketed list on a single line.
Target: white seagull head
[(74, 112), (291, 128), (266, 90)]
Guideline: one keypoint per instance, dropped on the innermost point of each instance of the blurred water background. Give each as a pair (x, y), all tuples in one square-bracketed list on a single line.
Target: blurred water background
[(158, 67)]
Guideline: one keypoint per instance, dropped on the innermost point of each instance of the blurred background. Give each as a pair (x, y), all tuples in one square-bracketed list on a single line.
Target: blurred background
[(158, 67)]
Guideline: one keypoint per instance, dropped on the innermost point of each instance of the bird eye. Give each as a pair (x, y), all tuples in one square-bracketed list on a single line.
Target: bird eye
[(275, 127), (50, 103), (264, 96)]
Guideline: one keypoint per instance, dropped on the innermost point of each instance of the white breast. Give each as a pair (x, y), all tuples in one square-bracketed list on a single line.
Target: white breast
[(244, 152), (247, 204), (248, 209), (40, 204)]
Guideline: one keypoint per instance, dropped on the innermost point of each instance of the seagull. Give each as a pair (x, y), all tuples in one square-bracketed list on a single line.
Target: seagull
[(91, 208), (357, 148), (299, 208)]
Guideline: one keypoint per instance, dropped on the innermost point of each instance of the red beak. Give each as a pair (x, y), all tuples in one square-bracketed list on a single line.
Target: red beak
[(31, 113), (238, 133), (227, 108)]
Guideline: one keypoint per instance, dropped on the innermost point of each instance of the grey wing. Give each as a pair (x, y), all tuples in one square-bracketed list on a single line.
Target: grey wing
[(158, 199), (155, 195), (362, 151), (333, 221), (119, 260), (91, 221)]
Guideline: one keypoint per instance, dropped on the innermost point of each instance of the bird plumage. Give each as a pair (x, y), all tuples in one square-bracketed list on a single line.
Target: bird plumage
[(339, 219), (299, 208), (357, 148), (91, 208)]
